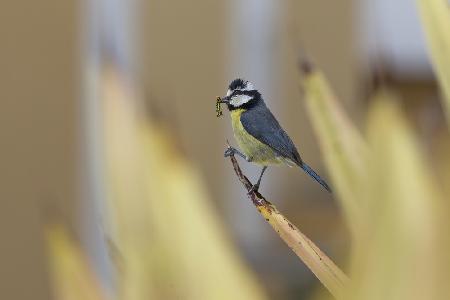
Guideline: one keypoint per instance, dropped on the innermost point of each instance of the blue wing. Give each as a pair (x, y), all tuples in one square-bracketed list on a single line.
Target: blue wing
[(262, 125)]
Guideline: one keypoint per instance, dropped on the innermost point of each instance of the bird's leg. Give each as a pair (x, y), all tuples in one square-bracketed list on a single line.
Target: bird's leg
[(255, 187), (232, 151)]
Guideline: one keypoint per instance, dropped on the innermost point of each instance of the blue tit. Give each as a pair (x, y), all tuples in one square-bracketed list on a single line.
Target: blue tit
[(258, 134)]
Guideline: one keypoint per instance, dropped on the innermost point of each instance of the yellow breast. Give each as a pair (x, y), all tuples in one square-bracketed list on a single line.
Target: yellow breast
[(257, 151)]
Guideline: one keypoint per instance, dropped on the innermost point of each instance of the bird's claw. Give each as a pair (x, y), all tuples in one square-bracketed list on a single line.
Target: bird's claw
[(229, 152)]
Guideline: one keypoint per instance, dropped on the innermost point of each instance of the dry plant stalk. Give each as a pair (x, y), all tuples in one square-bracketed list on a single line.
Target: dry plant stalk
[(321, 265)]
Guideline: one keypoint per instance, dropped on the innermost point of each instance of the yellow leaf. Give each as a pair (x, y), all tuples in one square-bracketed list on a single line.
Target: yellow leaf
[(435, 15), (71, 275), (170, 239), (342, 146), (405, 252)]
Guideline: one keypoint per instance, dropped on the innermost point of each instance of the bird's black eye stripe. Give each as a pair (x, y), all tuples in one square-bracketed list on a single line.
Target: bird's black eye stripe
[(241, 92), (237, 92)]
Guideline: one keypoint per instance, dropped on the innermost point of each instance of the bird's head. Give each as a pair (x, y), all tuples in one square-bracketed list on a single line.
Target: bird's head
[(241, 94)]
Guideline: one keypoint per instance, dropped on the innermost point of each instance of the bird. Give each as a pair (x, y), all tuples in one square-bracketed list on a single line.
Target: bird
[(259, 135)]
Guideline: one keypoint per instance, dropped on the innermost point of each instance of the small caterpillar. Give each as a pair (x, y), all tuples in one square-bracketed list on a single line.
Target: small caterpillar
[(218, 107)]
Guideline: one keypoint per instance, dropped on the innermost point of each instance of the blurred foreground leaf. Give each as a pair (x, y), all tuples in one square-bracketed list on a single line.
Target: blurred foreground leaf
[(435, 15), (72, 278), (406, 251), (342, 146), (169, 237), (392, 200)]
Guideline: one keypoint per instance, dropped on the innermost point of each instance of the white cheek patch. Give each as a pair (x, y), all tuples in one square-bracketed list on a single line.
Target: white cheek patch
[(228, 93), (239, 100), (248, 87)]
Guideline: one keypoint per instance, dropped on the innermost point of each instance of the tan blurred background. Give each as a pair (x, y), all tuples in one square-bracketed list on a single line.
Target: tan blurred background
[(183, 55)]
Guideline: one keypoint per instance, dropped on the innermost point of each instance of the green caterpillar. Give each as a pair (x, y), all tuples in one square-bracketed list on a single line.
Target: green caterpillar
[(218, 107)]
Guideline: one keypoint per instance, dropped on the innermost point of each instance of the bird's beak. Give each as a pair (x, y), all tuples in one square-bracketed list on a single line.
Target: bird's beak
[(225, 99)]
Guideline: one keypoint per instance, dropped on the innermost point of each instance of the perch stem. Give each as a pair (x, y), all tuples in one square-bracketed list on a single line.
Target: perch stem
[(323, 267)]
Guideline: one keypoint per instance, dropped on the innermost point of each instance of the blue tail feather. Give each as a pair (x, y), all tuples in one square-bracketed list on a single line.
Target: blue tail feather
[(314, 175)]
